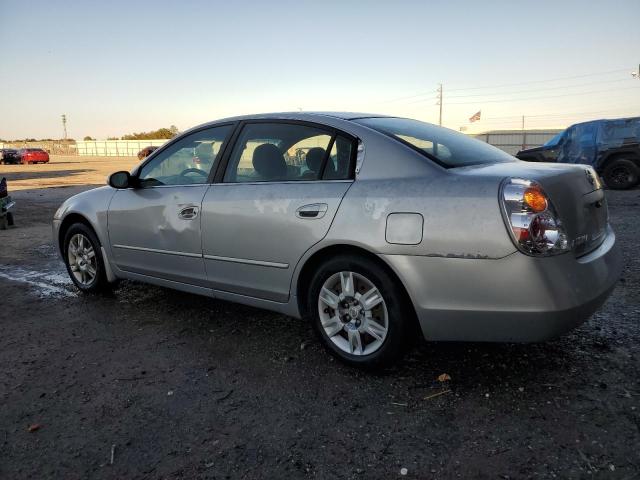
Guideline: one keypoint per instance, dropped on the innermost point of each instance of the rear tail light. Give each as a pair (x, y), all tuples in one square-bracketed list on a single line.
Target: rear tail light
[(531, 219)]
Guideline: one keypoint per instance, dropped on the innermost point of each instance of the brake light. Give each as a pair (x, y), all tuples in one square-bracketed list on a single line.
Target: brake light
[(531, 219)]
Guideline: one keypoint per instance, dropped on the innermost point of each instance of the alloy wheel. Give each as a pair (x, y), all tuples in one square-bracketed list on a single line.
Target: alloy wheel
[(353, 313), (82, 259), (621, 175)]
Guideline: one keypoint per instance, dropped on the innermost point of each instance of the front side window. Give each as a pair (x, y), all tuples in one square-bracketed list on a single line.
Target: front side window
[(186, 162), (448, 148), (277, 152)]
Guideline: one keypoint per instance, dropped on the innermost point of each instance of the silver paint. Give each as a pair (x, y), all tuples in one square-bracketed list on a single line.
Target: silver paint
[(465, 277)]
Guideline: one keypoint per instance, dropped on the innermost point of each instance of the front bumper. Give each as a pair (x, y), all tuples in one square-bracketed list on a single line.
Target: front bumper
[(513, 299), (55, 233)]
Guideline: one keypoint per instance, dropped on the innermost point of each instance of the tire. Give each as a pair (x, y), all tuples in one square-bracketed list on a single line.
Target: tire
[(79, 275), (621, 174), (338, 332), (10, 221)]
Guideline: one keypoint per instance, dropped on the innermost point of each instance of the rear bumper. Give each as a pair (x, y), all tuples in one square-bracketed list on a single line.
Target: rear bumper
[(513, 299)]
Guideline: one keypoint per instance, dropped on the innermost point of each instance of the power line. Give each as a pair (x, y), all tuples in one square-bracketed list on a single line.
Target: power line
[(542, 81), (534, 98), (431, 92), (539, 89), (570, 114)]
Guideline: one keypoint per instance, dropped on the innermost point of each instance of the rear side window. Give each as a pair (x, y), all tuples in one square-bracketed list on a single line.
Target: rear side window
[(283, 152), (448, 148), (621, 131)]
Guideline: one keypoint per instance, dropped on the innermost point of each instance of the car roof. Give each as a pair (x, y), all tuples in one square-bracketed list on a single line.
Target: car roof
[(602, 120), (303, 115)]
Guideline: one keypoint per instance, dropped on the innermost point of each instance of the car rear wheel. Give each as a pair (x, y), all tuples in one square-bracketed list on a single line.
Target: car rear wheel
[(83, 259), (359, 313), (621, 174)]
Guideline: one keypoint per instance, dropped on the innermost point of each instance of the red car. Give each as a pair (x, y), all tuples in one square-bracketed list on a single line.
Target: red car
[(33, 155)]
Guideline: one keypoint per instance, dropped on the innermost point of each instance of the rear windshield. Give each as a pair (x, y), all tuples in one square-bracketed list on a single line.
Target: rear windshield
[(450, 149)]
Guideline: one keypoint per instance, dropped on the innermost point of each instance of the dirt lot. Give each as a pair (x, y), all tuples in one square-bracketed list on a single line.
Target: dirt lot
[(65, 171), (178, 386)]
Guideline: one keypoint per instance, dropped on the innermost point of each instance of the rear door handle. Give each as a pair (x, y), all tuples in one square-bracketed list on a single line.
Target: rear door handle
[(312, 211), (188, 213)]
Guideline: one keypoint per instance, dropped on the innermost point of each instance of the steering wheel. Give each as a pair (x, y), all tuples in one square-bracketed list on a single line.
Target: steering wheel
[(187, 171)]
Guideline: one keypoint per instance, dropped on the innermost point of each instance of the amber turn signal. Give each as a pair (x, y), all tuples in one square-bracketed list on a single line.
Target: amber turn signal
[(535, 199)]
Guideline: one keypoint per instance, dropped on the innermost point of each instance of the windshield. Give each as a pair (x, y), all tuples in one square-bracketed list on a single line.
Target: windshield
[(555, 140), (450, 149)]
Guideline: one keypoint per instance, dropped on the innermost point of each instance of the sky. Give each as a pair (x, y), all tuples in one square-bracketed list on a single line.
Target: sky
[(118, 67)]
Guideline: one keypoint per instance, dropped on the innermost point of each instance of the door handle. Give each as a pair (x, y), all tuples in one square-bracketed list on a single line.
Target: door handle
[(188, 213), (312, 211)]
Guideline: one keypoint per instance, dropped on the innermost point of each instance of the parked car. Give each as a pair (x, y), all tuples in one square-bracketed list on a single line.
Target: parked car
[(145, 152), (612, 147), (9, 155), (391, 227), (33, 155)]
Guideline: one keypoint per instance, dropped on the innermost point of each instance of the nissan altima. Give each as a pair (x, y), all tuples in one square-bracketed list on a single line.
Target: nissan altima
[(376, 229)]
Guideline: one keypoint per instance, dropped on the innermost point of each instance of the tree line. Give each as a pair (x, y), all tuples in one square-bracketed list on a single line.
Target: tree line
[(159, 134)]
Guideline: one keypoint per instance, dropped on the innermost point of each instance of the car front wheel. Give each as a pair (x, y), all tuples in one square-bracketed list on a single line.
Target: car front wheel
[(83, 259), (359, 312)]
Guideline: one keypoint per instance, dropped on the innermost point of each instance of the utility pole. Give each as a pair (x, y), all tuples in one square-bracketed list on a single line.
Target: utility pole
[(524, 135), (440, 103), (64, 126)]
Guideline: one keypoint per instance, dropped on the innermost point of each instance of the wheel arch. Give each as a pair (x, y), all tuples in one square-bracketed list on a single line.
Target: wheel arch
[(315, 260), (69, 220), (626, 155)]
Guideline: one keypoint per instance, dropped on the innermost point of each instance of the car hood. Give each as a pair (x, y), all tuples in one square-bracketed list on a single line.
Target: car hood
[(533, 150), (87, 202)]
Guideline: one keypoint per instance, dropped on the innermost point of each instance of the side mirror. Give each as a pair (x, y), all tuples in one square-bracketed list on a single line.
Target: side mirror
[(120, 180)]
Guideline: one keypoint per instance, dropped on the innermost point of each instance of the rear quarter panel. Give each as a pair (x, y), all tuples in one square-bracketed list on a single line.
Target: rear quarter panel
[(462, 217)]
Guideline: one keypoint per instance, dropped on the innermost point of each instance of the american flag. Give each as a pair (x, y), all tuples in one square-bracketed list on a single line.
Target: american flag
[(475, 117)]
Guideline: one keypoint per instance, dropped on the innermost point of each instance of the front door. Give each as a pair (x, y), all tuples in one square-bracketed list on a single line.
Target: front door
[(155, 229), (282, 186)]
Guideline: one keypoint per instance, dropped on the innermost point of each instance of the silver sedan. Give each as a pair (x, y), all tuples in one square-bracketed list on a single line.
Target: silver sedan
[(373, 228)]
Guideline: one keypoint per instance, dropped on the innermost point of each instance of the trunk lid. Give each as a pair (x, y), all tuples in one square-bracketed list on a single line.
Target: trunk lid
[(574, 191)]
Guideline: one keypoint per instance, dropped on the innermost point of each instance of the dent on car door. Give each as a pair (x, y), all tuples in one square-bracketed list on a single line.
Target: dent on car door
[(281, 189), (154, 229)]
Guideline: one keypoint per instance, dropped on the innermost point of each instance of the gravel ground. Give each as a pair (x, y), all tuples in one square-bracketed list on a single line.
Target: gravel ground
[(152, 383)]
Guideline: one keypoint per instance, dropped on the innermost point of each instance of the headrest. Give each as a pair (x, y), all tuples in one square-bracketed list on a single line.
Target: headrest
[(314, 158), (269, 162), (204, 151)]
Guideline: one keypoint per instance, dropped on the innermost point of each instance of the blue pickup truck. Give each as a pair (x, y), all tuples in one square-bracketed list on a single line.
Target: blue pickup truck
[(612, 147)]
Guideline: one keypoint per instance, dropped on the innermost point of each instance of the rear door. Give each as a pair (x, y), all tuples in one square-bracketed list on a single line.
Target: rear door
[(275, 198), (155, 229)]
